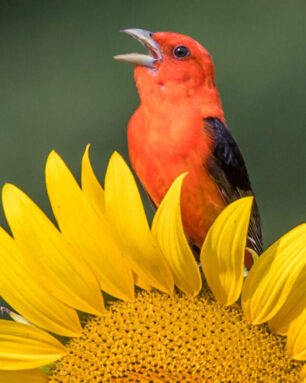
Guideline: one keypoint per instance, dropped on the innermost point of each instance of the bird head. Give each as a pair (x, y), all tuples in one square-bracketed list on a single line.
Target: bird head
[(175, 66)]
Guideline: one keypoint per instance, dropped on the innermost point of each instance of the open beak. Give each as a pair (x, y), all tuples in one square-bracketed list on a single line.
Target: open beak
[(145, 38)]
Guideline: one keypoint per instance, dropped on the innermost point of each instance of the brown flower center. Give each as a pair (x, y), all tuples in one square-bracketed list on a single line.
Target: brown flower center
[(159, 338)]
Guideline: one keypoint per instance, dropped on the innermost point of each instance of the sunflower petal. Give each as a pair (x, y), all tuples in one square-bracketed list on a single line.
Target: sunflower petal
[(14, 316), (60, 267), (293, 306), (82, 226), (24, 376), (270, 280), (128, 221), (141, 283), (94, 192), (25, 347), (167, 228), (91, 186), (222, 254), (296, 341), (21, 290)]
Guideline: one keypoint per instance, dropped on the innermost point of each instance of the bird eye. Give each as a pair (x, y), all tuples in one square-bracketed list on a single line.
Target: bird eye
[(181, 52)]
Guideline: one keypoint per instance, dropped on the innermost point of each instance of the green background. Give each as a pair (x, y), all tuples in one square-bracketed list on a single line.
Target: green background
[(60, 88)]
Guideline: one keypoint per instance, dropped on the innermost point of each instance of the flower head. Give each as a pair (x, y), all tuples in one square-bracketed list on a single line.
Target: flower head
[(158, 334)]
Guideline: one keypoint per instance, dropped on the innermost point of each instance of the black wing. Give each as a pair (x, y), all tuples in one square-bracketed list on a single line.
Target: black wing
[(228, 170)]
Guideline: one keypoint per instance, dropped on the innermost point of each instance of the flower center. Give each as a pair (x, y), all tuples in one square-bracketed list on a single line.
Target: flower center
[(159, 338)]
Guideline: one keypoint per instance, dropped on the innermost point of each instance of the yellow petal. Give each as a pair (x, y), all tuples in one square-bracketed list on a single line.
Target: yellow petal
[(296, 341), (21, 290), (141, 283), (25, 347), (130, 226), (94, 192), (60, 267), (14, 316), (293, 306), (167, 228), (91, 186), (82, 226), (24, 376), (222, 254), (270, 280)]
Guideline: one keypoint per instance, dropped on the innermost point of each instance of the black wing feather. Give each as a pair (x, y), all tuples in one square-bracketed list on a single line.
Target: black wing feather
[(227, 168)]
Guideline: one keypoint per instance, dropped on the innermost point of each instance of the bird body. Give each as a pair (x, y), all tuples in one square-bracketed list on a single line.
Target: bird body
[(171, 143), (179, 127)]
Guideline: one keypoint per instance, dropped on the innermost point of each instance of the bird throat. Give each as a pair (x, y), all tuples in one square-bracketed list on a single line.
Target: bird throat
[(158, 95)]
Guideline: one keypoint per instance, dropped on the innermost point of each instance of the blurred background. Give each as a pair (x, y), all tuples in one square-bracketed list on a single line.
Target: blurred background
[(60, 88)]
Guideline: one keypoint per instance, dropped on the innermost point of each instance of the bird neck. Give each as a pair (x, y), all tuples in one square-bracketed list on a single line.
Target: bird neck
[(156, 96)]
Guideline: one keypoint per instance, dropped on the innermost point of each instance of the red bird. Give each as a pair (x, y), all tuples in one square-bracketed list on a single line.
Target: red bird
[(180, 127)]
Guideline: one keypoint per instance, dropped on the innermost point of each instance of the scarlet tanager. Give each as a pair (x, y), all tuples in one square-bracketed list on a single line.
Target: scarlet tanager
[(180, 127)]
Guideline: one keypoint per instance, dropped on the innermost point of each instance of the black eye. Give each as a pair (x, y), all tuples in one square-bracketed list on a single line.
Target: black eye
[(181, 52)]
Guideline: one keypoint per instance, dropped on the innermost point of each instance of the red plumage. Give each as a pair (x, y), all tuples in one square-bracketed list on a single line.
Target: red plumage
[(174, 131)]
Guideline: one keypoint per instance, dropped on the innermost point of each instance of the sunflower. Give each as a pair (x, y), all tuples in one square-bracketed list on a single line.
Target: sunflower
[(173, 327)]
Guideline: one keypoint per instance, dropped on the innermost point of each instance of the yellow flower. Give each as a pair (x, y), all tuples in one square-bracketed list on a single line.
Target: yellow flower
[(158, 333)]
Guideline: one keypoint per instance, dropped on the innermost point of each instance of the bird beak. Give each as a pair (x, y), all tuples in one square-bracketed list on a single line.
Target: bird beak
[(145, 38)]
